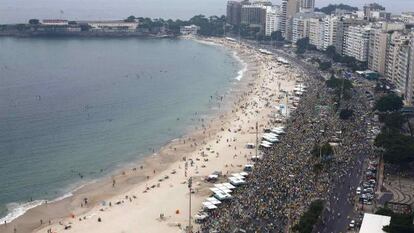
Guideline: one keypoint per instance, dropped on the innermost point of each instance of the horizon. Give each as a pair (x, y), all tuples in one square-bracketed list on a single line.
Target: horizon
[(20, 11)]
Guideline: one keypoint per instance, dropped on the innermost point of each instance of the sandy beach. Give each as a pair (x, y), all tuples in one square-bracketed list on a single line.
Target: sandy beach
[(135, 198)]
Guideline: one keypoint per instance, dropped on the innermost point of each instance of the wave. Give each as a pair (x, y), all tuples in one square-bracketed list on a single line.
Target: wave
[(18, 209), (241, 72)]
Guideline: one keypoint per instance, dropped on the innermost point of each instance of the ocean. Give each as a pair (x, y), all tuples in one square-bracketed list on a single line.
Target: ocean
[(20, 11), (71, 107)]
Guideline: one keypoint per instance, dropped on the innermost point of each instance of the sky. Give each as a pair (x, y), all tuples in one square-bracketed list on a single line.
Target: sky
[(19, 11)]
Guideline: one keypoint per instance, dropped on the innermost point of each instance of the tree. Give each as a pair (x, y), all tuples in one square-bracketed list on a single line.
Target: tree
[(302, 45), (400, 223), (34, 22), (390, 102), (394, 120), (331, 51), (399, 148), (345, 114), (130, 19), (309, 218), (324, 151), (277, 36), (325, 65)]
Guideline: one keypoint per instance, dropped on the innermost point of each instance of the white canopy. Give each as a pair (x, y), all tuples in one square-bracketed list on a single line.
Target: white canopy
[(209, 205), (229, 186), (236, 181), (213, 200)]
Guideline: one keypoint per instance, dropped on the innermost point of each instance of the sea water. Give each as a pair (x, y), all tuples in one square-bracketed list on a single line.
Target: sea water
[(81, 107)]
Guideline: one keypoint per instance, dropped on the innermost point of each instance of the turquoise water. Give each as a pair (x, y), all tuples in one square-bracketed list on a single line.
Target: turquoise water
[(70, 106)]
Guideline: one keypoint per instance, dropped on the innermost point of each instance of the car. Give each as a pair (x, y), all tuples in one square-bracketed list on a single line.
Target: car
[(352, 224), (358, 191)]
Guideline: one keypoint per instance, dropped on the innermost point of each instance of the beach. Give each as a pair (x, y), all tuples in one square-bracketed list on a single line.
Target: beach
[(152, 195)]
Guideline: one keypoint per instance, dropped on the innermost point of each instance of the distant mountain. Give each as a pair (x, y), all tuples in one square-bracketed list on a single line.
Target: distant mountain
[(332, 7)]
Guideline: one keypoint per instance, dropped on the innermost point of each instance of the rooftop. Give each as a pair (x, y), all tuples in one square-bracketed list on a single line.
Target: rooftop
[(373, 223)]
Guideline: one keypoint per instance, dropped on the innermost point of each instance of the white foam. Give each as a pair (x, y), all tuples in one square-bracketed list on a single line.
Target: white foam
[(242, 70), (16, 210)]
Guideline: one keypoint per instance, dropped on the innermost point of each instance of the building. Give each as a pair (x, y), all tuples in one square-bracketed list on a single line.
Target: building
[(112, 26), (55, 22), (407, 17), (399, 68), (377, 50), (292, 7), (282, 17), (357, 42), (189, 30), (378, 45), (301, 24), (373, 7), (316, 29), (254, 14), (341, 27), (233, 15), (272, 20), (307, 5), (330, 30), (373, 223)]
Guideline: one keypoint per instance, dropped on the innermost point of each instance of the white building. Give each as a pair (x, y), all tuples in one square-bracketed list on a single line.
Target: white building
[(282, 17), (373, 223), (55, 22), (407, 17), (307, 5), (301, 24), (329, 34), (113, 26), (357, 42), (377, 50), (272, 23), (189, 30), (316, 30)]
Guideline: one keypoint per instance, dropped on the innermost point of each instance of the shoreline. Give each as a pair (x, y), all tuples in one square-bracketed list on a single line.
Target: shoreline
[(155, 166), (78, 188)]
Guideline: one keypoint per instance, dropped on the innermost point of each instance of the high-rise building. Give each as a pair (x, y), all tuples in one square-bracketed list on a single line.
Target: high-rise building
[(292, 7), (283, 17), (272, 23), (254, 15), (316, 30), (409, 91), (399, 69), (370, 9), (377, 50), (341, 28), (233, 16), (330, 29), (307, 5), (301, 24), (357, 42)]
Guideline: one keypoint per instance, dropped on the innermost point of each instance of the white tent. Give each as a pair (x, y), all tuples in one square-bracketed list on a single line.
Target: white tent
[(223, 188), (209, 205), (265, 145), (213, 200), (244, 174), (237, 175), (236, 181), (222, 196), (229, 186)]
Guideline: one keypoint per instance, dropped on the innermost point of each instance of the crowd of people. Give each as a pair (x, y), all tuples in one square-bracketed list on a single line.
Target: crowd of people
[(289, 177)]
